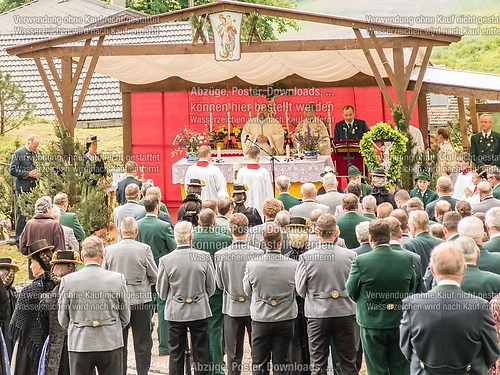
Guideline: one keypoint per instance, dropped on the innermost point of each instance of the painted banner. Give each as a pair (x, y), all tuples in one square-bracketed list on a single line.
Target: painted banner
[(227, 33)]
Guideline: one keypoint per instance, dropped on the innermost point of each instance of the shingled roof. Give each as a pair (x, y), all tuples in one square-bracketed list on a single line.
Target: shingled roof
[(41, 19)]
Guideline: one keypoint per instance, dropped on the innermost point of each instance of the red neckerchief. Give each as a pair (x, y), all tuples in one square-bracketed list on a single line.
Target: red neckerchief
[(253, 166), (475, 190), (202, 163), (466, 170)]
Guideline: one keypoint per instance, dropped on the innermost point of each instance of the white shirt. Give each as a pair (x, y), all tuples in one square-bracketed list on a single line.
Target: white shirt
[(448, 282)]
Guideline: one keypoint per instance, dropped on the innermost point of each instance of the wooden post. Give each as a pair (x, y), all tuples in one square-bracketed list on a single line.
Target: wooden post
[(67, 95), (463, 123), (423, 118), (126, 125), (473, 115)]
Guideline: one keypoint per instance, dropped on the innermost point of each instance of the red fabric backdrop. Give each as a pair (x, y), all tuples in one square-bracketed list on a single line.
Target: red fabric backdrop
[(157, 117)]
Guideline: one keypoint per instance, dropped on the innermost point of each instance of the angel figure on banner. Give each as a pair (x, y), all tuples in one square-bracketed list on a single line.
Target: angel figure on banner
[(227, 32), (385, 153)]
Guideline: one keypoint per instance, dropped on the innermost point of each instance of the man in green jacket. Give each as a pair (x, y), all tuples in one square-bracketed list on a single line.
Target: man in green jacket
[(212, 238), (493, 226), (422, 242), (378, 282), (347, 222), (69, 219), (482, 284), (283, 185), (473, 227), (159, 236)]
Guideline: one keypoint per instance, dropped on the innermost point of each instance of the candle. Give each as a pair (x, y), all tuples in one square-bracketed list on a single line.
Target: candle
[(298, 151), (329, 120), (211, 121), (218, 152), (287, 151), (228, 124), (249, 114), (286, 121)]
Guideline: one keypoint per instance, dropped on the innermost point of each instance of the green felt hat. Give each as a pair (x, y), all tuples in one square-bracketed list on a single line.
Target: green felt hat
[(423, 176), (353, 171)]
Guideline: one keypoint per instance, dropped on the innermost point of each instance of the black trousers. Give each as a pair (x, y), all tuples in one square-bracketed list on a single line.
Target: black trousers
[(272, 338), (108, 363), (321, 332), (234, 335), (177, 343), (140, 322)]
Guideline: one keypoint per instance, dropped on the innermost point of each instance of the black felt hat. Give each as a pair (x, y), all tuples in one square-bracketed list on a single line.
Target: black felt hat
[(38, 246), (65, 256), (8, 263)]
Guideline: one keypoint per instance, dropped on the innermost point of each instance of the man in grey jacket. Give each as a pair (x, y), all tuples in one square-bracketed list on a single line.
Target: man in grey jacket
[(186, 280), (271, 282), (230, 264), (320, 279), (135, 261), (94, 308), (132, 208)]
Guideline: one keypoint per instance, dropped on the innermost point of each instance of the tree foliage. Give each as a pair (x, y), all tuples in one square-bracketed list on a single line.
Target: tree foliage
[(15, 108), (62, 168)]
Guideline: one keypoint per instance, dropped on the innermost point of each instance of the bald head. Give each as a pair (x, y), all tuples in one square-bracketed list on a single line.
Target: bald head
[(447, 262), (441, 208), (444, 186)]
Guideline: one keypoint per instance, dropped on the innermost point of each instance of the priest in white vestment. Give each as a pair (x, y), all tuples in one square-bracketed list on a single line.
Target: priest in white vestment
[(258, 181), (265, 131), (315, 125), (464, 177), (215, 183)]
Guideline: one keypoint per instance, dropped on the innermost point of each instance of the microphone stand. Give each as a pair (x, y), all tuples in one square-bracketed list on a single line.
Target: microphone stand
[(271, 158)]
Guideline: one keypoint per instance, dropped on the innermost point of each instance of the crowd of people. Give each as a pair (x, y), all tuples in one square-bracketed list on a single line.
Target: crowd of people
[(403, 281)]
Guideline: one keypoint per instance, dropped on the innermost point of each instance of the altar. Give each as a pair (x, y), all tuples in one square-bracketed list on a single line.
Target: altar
[(298, 170)]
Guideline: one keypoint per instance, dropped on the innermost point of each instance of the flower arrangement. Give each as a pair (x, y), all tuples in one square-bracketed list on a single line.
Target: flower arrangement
[(221, 134), (188, 140), (308, 141), (237, 133), (385, 131)]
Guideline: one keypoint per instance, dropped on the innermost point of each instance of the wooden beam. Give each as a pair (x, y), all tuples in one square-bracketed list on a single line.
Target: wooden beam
[(208, 49), (411, 64), (423, 118), (399, 84), (85, 52), (67, 95), (50, 91), (488, 107), (225, 5), (473, 115), (88, 77), (466, 92), (463, 123), (127, 124), (376, 73), (420, 79), (54, 72)]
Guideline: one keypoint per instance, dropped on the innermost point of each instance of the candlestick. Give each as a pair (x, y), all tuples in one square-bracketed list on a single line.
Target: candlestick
[(228, 124), (211, 121), (287, 151)]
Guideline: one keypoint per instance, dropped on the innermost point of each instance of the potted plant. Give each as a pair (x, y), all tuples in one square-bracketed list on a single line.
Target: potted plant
[(220, 136), (237, 134), (188, 141), (308, 143)]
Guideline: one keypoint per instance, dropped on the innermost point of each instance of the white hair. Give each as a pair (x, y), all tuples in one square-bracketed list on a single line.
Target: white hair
[(493, 218), (362, 232), (369, 202), (472, 227), (182, 232), (128, 226), (468, 247), (330, 179), (92, 247)]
